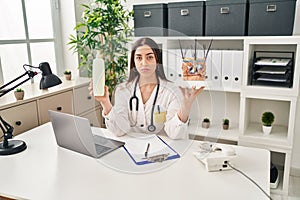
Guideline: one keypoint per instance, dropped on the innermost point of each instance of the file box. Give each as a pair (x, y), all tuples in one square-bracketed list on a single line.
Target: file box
[(150, 20), (226, 18), (271, 17), (186, 18)]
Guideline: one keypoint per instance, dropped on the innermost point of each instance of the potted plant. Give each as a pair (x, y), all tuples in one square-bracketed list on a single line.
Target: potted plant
[(225, 124), (104, 27), (19, 94), (205, 123), (68, 74), (267, 121)]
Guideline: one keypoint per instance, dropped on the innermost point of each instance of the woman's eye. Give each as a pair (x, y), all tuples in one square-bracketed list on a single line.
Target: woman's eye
[(150, 57), (138, 58)]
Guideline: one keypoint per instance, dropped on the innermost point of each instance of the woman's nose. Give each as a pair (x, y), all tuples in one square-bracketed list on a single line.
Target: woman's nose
[(144, 61)]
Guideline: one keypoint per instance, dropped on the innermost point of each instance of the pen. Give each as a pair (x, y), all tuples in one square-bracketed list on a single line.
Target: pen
[(146, 152)]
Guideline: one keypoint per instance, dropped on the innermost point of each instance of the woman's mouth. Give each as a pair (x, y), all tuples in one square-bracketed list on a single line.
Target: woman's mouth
[(144, 69)]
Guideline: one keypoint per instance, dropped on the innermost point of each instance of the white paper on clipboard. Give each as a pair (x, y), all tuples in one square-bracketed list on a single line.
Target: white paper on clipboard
[(136, 148)]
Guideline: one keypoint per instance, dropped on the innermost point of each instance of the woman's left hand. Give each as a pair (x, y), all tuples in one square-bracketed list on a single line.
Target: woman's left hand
[(188, 97)]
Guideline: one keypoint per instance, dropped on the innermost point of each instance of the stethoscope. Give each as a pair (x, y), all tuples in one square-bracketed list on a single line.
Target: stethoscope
[(151, 127)]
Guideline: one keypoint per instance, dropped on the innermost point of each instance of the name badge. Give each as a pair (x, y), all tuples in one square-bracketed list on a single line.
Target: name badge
[(160, 117)]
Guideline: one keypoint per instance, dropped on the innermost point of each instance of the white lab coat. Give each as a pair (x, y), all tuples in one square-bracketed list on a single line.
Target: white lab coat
[(120, 120)]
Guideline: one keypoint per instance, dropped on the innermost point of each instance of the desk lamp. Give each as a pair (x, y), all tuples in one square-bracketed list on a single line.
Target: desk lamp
[(48, 80)]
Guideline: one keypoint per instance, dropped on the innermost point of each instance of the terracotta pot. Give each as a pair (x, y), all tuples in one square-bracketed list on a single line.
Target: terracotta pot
[(68, 77), (19, 95), (205, 124), (225, 126)]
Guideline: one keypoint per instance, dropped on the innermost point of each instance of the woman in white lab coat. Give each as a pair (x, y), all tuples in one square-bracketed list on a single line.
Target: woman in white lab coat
[(148, 102)]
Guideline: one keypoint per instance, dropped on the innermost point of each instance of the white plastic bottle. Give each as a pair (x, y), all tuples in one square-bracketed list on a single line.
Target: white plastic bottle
[(98, 75)]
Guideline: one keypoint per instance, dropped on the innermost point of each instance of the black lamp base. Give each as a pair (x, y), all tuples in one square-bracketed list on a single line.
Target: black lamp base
[(14, 146)]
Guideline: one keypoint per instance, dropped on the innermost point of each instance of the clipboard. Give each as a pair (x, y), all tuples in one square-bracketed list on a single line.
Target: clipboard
[(136, 147)]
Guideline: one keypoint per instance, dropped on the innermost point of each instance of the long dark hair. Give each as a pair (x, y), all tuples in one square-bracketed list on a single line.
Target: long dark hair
[(158, 56)]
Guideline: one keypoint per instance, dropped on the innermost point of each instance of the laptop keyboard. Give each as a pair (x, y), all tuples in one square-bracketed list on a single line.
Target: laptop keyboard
[(100, 140), (100, 149), (105, 145)]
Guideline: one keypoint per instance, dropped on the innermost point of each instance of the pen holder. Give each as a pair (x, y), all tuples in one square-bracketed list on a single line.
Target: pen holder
[(194, 69)]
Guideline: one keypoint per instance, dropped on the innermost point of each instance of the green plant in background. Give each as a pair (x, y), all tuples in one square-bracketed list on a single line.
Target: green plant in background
[(67, 72), (267, 118), (225, 121), (104, 27), (19, 90), (206, 120)]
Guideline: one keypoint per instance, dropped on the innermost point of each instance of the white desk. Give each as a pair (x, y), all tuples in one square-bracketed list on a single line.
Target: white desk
[(45, 171)]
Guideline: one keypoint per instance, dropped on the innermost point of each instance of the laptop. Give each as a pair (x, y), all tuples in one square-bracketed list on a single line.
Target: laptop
[(75, 133)]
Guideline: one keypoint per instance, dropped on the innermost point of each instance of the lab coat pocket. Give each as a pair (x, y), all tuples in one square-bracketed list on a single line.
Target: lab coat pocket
[(160, 117)]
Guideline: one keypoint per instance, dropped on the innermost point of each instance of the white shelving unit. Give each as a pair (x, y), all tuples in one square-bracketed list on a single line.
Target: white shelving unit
[(244, 104), (280, 100)]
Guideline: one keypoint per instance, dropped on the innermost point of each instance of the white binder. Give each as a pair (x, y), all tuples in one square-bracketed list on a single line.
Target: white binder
[(216, 69), (227, 62), (172, 65), (179, 65), (208, 68), (237, 69)]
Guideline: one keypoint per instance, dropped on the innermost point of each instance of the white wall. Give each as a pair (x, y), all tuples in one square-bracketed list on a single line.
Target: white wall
[(67, 12)]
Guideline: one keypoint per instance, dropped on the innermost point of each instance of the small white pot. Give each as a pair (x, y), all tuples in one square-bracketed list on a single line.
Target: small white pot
[(267, 129)]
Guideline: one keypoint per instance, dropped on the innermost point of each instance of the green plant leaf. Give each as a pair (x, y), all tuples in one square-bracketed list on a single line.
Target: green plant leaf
[(108, 19), (267, 118)]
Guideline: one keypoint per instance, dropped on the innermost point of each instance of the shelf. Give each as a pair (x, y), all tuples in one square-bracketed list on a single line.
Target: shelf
[(208, 86), (272, 47), (249, 39), (215, 131), (271, 40), (278, 136), (279, 93)]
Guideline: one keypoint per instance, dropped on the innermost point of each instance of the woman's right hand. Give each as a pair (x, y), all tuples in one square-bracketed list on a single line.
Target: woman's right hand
[(104, 100)]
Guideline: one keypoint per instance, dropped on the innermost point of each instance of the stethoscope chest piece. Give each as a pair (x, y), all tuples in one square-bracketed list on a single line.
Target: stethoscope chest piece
[(151, 128)]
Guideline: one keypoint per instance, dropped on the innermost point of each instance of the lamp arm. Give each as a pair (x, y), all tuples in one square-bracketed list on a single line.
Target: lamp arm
[(3, 91), (7, 130), (6, 125)]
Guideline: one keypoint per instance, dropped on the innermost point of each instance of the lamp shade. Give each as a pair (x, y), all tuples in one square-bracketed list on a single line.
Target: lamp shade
[(48, 79)]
